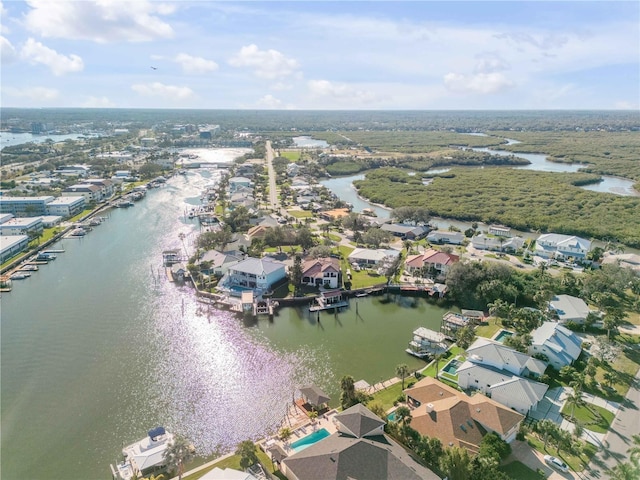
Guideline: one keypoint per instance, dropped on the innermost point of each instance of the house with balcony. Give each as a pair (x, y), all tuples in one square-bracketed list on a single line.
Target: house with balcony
[(322, 272), (235, 183), (258, 274), (106, 186), (557, 343), (432, 262), (25, 206), (91, 193), (67, 206), (555, 245), (22, 226), (440, 411), (218, 263)]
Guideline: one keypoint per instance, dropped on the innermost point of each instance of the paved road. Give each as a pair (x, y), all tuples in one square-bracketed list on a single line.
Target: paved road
[(618, 440), (273, 194)]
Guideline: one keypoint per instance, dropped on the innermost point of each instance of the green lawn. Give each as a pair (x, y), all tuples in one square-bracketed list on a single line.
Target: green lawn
[(293, 155), (490, 328), (585, 416), (389, 395), (519, 471), (300, 213), (233, 462), (81, 214)]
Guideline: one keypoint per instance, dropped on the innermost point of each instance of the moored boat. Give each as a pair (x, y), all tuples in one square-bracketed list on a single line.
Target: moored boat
[(19, 275)]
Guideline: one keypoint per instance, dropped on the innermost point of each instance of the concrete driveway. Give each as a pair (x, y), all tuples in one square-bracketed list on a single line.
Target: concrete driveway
[(533, 459), (551, 405)]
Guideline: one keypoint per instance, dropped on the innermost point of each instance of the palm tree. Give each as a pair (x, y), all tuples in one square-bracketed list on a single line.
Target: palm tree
[(403, 417), (436, 358), (456, 463), (347, 386), (177, 454), (247, 452), (575, 400), (546, 428), (634, 451), (624, 471), (402, 371)]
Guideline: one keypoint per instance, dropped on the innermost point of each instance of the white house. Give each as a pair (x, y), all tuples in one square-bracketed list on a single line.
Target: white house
[(410, 232), (555, 245), (520, 394), (256, 273), (22, 226), (219, 262), (371, 257), (321, 272), (66, 206), (497, 243), (74, 170), (444, 236), (569, 309), (500, 230), (559, 344), (496, 355), (11, 245), (236, 183)]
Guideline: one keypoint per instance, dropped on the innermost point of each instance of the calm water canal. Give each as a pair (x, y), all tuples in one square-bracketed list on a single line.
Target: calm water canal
[(97, 347)]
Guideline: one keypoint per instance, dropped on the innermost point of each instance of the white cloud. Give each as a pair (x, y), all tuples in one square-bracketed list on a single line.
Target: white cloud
[(36, 52), (192, 64), (340, 91), (98, 102), (157, 89), (490, 63), (101, 21), (7, 51), (4, 14), (625, 105), (269, 101), (37, 94), (482, 83), (269, 64)]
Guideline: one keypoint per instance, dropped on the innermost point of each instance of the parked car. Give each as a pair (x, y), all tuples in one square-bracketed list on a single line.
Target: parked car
[(556, 463)]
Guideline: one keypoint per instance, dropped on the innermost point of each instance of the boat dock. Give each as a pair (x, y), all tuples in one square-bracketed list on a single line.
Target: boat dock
[(329, 300), (426, 343)]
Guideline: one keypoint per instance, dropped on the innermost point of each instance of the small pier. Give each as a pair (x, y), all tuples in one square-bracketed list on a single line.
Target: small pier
[(329, 300)]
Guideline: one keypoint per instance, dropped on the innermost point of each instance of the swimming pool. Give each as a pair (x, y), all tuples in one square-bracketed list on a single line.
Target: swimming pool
[(309, 440), (502, 335), (392, 416), (452, 367)]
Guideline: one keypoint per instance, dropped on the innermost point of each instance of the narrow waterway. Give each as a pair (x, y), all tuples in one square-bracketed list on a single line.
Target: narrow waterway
[(98, 346)]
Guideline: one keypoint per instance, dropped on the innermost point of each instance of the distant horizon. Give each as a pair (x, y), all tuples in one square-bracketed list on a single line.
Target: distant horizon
[(390, 110), (321, 55)]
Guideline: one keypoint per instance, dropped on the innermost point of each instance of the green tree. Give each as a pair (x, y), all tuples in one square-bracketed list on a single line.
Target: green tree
[(305, 238), (402, 371), (574, 400), (375, 237), (377, 408), (247, 452), (456, 463), (546, 429), (634, 450), (219, 238), (493, 446), (348, 391), (177, 454), (465, 336), (624, 471), (296, 274)]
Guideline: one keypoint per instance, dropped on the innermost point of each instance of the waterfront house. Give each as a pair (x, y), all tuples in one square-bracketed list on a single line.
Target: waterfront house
[(335, 214), (569, 308), (444, 236), (440, 411), (430, 262), (73, 170), (256, 273), (368, 257), (314, 398), (178, 272), (235, 183), (25, 206), (22, 226), (496, 355), (106, 186), (12, 245), (517, 393), (219, 263), (555, 245), (321, 272), (358, 450), (66, 206), (500, 243), (91, 193), (405, 232), (557, 343)]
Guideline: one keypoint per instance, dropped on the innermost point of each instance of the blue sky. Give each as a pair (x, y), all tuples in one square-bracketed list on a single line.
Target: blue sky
[(321, 55)]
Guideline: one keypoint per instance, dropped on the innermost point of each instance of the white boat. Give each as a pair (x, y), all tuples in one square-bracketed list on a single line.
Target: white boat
[(143, 457), (19, 275), (29, 268), (426, 343), (78, 232)]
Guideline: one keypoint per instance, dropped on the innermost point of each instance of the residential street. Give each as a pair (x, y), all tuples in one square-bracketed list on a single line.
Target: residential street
[(618, 440), (273, 194)]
